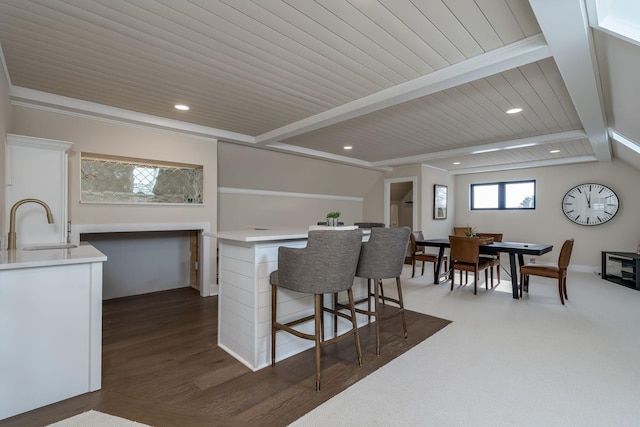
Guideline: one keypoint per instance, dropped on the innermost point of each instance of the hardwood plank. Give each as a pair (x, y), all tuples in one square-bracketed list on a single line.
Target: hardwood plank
[(162, 367)]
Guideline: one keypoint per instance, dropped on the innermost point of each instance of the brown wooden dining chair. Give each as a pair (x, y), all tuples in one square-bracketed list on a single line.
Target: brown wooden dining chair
[(494, 260), (465, 256), (460, 231), (418, 254), (550, 271)]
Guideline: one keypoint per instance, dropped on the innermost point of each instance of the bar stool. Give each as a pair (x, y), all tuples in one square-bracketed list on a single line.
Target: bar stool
[(326, 266), (382, 257)]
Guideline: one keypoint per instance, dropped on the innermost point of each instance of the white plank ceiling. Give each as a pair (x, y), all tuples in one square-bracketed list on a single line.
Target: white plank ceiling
[(401, 81)]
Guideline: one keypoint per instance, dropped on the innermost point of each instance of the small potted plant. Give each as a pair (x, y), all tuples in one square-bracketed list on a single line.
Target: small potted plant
[(470, 231), (332, 218)]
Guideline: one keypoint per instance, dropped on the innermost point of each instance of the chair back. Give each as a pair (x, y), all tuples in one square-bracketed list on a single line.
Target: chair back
[(565, 254), (459, 231), (382, 257), (415, 235), (497, 237), (464, 249), (327, 265)]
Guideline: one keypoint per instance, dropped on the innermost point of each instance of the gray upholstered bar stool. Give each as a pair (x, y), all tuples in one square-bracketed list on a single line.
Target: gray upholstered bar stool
[(326, 266), (382, 257)]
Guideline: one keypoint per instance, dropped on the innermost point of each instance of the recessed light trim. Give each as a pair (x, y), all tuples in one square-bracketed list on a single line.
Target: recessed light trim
[(348, 147), (554, 151), (456, 163), (181, 107), (515, 110)]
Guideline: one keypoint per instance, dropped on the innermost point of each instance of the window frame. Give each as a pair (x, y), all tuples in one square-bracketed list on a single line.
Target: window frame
[(501, 195)]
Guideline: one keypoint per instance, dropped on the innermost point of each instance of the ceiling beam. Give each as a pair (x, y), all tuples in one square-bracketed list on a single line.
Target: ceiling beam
[(51, 102), (503, 145), (565, 26), (517, 54)]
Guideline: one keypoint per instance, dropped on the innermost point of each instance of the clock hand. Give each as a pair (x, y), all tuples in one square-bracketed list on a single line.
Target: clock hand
[(588, 200)]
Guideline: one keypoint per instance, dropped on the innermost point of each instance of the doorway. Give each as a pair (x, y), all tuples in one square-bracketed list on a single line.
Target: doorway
[(400, 204)]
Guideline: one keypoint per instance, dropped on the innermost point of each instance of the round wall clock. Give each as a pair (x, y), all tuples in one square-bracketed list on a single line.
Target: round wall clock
[(590, 204)]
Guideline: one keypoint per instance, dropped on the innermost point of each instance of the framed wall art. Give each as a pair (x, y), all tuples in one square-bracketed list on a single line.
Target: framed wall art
[(439, 201)]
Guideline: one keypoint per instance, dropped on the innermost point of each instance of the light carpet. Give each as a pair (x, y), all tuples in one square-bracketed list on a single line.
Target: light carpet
[(506, 362), (96, 419)]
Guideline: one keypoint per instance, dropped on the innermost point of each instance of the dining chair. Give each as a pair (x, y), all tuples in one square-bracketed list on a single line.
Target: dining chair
[(460, 231), (327, 265), (552, 272), (494, 260), (418, 254), (382, 257), (465, 256)]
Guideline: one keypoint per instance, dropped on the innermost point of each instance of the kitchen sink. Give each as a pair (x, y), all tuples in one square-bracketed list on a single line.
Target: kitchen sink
[(51, 246)]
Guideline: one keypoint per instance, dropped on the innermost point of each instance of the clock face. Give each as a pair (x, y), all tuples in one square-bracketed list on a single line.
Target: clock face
[(590, 204)]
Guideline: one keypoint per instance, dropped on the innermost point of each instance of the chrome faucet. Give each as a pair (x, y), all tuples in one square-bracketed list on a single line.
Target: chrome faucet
[(12, 219)]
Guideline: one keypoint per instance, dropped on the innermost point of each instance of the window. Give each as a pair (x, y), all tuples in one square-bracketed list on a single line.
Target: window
[(503, 195)]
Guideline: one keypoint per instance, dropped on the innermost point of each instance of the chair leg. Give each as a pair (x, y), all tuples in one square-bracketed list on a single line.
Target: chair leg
[(369, 299), (423, 263), (377, 285), (486, 279), (498, 271), (274, 300), (452, 275), (404, 319), (560, 290), (354, 323), (318, 310), (475, 281), (564, 286), (335, 316), (413, 267)]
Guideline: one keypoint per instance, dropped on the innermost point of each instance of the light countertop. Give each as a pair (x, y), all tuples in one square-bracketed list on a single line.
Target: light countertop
[(259, 234), (20, 258)]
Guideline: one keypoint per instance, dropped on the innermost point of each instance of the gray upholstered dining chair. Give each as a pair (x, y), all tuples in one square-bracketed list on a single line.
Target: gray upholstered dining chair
[(382, 257), (327, 265)]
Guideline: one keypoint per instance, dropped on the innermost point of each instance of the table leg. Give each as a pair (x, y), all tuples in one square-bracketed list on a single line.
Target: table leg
[(514, 274), (436, 278)]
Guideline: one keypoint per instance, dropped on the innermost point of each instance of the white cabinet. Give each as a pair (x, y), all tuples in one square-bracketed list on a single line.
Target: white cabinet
[(37, 169), (50, 326)]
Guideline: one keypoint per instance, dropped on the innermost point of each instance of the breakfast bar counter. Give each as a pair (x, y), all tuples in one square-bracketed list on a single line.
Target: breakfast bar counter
[(246, 258)]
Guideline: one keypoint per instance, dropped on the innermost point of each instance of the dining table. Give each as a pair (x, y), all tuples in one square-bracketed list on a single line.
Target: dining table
[(512, 248)]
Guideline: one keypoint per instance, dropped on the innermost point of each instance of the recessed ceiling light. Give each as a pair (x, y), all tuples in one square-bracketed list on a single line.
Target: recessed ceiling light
[(514, 110), (554, 151), (456, 163), (348, 147), (182, 107)]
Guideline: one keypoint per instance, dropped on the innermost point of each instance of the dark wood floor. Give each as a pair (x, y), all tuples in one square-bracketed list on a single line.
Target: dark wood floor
[(162, 367)]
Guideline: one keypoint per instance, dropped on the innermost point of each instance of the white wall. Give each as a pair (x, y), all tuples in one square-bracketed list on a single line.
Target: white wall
[(140, 263), (437, 227), (547, 223), (102, 137), (5, 125), (261, 188)]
